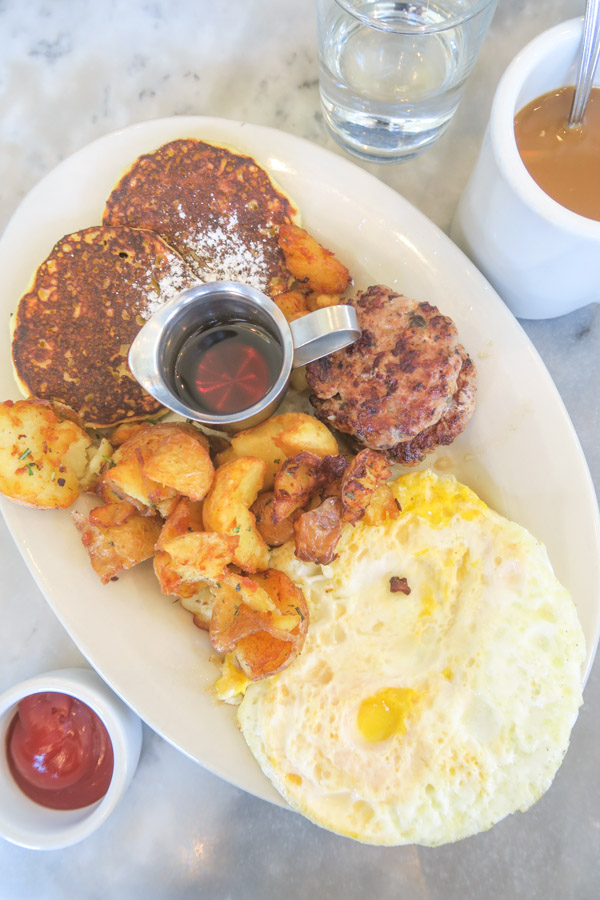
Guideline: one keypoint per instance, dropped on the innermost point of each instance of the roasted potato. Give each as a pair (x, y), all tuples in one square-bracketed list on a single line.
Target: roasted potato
[(292, 304), (125, 431), (362, 477), (305, 433), (273, 533), (111, 514), (171, 583), (318, 531), (201, 555), (279, 437), (240, 607), (181, 462), (43, 457), (299, 478), (185, 522), (227, 510), (99, 461), (269, 651), (383, 505), (320, 301), (116, 547), (127, 477), (186, 517), (199, 604), (263, 620), (311, 263)]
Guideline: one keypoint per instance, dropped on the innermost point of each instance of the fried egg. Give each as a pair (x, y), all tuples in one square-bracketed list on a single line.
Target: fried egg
[(426, 713)]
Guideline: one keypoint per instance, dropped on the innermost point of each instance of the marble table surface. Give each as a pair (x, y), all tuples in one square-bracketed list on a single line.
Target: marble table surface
[(72, 71)]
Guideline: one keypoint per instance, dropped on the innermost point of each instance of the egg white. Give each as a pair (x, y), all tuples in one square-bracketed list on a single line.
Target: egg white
[(487, 642)]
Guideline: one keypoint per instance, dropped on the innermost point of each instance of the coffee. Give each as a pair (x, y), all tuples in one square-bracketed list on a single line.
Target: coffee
[(563, 161)]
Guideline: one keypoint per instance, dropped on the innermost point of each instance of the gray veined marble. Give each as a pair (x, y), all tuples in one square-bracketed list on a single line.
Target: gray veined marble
[(71, 72)]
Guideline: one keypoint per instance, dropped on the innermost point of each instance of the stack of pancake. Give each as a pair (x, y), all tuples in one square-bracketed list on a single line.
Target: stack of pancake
[(189, 211)]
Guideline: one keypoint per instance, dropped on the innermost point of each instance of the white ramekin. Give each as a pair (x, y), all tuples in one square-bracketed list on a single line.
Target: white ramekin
[(26, 823)]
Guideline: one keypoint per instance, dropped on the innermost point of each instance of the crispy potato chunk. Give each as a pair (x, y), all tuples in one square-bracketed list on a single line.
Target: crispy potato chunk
[(273, 533), (171, 583), (111, 514), (125, 431), (304, 432), (320, 301), (99, 461), (382, 506), (264, 653), (298, 479), (260, 655), (361, 478), (318, 531), (182, 463), (186, 522), (199, 604), (116, 547), (263, 620), (186, 517), (304, 478), (292, 304), (127, 477), (239, 608), (311, 263), (43, 457), (201, 555), (227, 509), (279, 437)]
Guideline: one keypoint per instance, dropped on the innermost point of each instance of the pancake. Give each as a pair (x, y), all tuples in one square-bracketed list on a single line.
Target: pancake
[(220, 210), (72, 330)]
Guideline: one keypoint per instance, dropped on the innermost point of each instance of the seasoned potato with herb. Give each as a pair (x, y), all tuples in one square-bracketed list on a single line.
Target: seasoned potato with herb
[(181, 462), (185, 518), (201, 555), (274, 533), (367, 471), (262, 620), (279, 437), (152, 478), (227, 510), (199, 604), (119, 546), (304, 433), (43, 456)]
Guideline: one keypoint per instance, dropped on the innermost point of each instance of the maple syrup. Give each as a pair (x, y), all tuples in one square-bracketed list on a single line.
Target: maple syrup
[(227, 368)]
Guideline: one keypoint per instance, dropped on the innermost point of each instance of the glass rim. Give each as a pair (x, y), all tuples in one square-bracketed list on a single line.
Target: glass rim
[(362, 15)]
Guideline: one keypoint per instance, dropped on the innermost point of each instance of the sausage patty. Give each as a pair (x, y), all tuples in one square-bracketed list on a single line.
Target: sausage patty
[(404, 387)]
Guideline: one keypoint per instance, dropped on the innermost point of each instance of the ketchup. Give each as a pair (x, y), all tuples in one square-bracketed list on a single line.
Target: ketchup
[(59, 751), (227, 368)]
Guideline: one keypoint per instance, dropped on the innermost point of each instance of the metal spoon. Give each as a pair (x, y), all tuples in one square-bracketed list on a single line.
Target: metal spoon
[(587, 63)]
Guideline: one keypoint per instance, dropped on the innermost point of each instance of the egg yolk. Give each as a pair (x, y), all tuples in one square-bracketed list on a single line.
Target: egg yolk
[(438, 501), (232, 682), (385, 713)]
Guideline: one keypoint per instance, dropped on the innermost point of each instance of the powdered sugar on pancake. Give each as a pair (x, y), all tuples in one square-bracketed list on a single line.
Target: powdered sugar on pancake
[(156, 291), (226, 254)]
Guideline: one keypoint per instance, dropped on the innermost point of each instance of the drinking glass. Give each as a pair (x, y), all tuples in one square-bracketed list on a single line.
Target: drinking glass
[(392, 72)]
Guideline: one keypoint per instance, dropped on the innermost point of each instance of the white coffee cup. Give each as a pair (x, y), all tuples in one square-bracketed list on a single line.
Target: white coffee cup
[(543, 259)]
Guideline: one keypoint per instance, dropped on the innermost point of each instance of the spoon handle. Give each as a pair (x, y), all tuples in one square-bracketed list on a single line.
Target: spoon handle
[(587, 63)]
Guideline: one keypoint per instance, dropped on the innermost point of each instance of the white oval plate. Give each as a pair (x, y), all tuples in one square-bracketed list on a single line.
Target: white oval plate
[(519, 452)]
